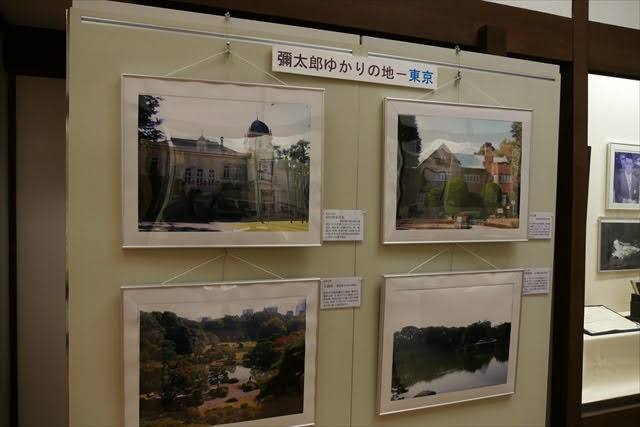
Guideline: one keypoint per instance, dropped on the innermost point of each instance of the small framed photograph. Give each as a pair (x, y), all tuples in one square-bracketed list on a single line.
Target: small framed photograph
[(455, 172), (623, 177), (447, 338), (220, 164), (619, 244), (230, 353)]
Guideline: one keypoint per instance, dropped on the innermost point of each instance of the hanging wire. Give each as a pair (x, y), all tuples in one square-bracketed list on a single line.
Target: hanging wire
[(429, 260), (200, 61), (224, 256), (189, 270), (228, 51)]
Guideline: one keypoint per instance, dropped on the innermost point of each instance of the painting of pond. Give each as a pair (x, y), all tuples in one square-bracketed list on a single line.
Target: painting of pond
[(434, 360), (448, 338), (238, 362)]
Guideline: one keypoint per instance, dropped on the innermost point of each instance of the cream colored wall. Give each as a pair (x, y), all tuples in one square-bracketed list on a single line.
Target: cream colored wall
[(614, 116), (347, 350), (40, 252)]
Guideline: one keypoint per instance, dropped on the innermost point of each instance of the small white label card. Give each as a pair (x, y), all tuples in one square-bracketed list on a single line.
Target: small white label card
[(540, 225), (536, 281), (340, 224), (340, 292)]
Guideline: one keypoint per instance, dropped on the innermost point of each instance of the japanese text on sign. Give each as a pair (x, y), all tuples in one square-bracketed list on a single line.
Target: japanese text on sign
[(342, 225), (536, 281), (322, 63), (540, 225), (340, 292)]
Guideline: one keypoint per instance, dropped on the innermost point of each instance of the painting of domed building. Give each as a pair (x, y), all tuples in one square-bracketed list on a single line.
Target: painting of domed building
[(225, 172)]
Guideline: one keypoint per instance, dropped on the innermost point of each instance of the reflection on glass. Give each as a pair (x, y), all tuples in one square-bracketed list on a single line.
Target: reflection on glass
[(219, 165), (458, 173)]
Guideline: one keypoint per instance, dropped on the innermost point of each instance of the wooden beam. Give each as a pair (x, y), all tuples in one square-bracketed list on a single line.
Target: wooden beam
[(626, 416), (12, 244), (531, 34), (571, 214), (614, 50), (493, 40)]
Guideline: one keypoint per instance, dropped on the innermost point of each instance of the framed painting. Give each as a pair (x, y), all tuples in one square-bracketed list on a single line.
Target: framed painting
[(220, 164), (455, 172), (447, 338), (619, 248), (623, 176), (230, 353)]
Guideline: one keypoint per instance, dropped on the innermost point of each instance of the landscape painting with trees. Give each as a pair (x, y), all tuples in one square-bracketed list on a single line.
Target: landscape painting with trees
[(450, 358), (461, 172), (207, 365), (458, 173), (448, 337)]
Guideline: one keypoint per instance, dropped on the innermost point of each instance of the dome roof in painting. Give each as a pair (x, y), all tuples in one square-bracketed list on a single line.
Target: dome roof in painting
[(259, 128)]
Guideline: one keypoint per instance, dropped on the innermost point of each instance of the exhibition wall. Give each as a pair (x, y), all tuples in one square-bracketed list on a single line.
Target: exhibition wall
[(40, 233), (614, 108), (353, 150)]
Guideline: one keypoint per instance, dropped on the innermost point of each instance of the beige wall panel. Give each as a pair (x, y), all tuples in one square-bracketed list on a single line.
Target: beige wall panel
[(97, 264), (352, 179)]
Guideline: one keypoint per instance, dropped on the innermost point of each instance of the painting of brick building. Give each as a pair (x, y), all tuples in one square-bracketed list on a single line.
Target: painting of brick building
[(458, 173)]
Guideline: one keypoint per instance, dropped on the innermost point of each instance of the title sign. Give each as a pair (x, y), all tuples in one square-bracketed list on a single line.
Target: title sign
[(336, 65)]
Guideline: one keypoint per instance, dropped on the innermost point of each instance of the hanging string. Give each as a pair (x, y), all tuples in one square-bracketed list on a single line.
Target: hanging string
[(494, 100), (469, 251), (186, 67), (224, 255), (258, 68), (429, 260), (447, 249), (458, 78), (227, 50), (202, 264), (433, 91), (256, 266)]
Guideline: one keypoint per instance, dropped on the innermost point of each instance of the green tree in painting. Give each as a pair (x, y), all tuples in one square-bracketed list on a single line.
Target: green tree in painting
[(262, 356), (491, 196), (148, 120), (455, 196), (409, 148), (218, 375), (265, 325), (290, 377)]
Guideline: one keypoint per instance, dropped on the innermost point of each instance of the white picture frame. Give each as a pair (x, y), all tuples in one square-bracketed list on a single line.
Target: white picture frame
[(453, 134), (220, 164), (195, 311), (415, 305), (623, 193)]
